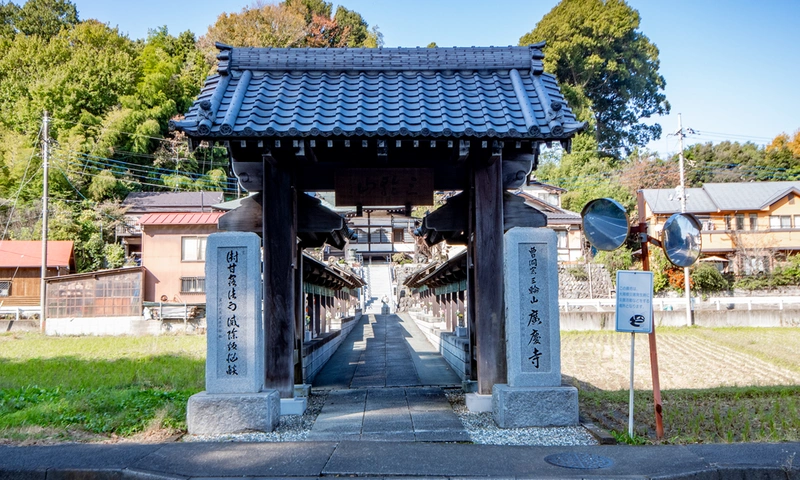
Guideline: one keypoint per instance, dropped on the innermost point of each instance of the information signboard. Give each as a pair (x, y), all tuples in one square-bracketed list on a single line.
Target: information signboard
[(634, 301)]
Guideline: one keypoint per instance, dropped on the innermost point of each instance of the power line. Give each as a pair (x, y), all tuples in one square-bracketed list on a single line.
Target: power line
[(22, 184)]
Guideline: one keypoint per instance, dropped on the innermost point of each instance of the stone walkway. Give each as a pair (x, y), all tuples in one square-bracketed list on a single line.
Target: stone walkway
[(385, 385)]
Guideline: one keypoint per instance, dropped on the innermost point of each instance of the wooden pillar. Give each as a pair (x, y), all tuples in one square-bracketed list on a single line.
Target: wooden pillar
[(280, 261), (436, 305), (488, 263), (323, 314), (460, 307), (448, 312), (315, 317), (310, 311), (299, 323)]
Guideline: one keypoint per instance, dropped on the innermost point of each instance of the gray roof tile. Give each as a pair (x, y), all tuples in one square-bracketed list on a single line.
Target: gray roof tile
[(474, 92), (721, 197)]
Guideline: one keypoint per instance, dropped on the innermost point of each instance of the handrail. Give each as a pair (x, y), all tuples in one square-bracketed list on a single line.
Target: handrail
[(660, 303)]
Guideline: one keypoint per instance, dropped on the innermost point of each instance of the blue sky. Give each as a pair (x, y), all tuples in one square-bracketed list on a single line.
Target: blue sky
[(732, 67)]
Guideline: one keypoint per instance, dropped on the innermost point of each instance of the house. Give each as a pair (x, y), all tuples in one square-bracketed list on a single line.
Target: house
[(174, 254), (547, 193), (566, 224), (21, 269), (746, 227), (137, 204)]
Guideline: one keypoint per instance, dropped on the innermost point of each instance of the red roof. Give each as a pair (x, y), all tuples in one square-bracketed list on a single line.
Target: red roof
[(180, 218), (19, 253)]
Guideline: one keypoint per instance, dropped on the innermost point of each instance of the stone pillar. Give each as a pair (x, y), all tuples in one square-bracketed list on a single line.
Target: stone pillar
[(534, 395), (235, 399)]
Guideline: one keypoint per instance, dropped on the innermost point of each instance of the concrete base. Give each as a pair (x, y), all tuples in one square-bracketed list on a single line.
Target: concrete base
[(514, 407), (220, 413), (293, 406), (302, 390), (479, 403)]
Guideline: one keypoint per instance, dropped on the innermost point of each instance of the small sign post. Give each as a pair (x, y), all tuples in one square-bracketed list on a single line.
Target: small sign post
[(634, 314)]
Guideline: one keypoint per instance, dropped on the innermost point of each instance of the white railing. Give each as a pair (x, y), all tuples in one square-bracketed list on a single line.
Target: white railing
[(21, 312), (718, 303)]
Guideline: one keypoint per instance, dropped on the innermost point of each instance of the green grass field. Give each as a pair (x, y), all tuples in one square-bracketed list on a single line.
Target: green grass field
[(93, 388), (58, 389)]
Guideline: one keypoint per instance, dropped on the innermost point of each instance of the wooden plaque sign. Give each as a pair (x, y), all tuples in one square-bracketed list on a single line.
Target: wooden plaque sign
[(384, 187)]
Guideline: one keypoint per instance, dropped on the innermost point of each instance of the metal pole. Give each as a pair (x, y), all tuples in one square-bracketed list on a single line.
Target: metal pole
[(630, 398), (686, 281), (45, 161), (657, 407)]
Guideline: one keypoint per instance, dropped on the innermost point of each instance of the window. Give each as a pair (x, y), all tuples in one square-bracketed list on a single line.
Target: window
[(753, 221), (780, 221), (5, 288), (193, 249), (397, 233), (727, 222), (562, 238), (752, 265), (739, 221), (193, 285), (362, 236)]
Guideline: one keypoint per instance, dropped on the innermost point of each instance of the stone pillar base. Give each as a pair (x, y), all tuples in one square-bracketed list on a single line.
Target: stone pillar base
[(514, 407), (221, 413), (479, 403), (293, 406)]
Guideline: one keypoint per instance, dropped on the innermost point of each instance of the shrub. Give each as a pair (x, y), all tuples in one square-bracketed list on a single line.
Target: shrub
[(706, 278), (619, 259), (578, 273)]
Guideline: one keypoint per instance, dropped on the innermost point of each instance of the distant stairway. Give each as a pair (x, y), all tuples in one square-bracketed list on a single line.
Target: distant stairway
[(380, 285)]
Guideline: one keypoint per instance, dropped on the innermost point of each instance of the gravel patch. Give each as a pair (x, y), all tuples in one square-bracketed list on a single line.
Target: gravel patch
[(291, 428), (480, 427)]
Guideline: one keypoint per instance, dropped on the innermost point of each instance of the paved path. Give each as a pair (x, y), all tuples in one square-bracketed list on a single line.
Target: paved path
[(385, 382), (407, 460)]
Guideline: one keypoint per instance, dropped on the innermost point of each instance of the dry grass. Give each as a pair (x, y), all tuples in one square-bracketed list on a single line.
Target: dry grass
[(718, 385)]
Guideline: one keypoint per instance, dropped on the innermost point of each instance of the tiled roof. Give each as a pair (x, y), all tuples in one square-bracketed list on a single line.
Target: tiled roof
[(19, 253), (180, 218), (498, 92), (721, 197), (140, 202), (555, 215)]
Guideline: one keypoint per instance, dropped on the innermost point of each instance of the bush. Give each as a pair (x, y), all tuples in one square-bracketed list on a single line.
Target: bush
[(706, 278), (578, 273), (619, 259)]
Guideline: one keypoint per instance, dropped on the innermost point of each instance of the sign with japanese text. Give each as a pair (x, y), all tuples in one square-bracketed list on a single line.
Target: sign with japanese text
[(384, 186), (234, 357), (634, 301), (533, 346)]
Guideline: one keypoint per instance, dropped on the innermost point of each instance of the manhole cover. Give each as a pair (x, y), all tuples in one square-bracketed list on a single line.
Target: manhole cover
[(585, 461)]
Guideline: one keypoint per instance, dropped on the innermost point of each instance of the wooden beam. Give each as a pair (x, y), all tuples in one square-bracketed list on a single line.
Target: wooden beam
[(280, 250), (245, 218), (489, 286), (516, 213)]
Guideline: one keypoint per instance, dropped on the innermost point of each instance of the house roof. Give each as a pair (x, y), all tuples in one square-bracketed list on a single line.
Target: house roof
[(719, 197), (408, 92), (555, 215), (146, 202), (25, 254), (180, 218)]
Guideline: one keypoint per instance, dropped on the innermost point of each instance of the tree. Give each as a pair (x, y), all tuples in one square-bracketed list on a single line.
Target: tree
[(585, 175), (46, 18), (262, 25), (607, 68)]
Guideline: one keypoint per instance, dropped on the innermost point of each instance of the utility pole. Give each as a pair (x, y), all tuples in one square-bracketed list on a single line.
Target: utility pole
[(682, 197), (45, 161)]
